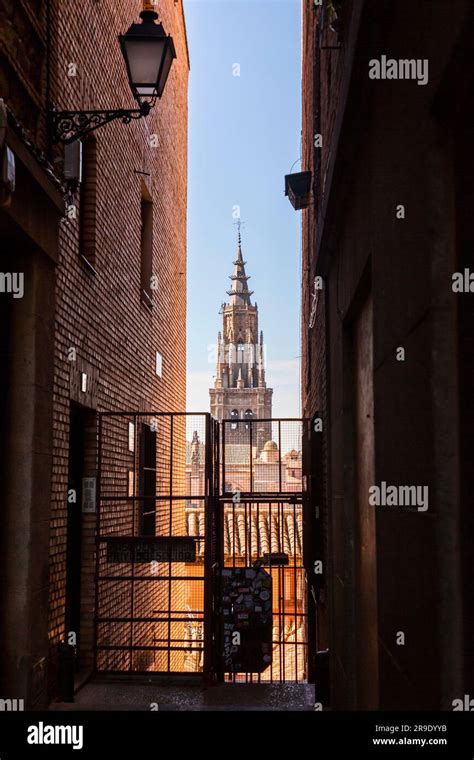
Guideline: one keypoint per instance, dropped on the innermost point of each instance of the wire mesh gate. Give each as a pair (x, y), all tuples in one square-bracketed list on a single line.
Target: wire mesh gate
[(154, 542), (180, 497), (263, 501)]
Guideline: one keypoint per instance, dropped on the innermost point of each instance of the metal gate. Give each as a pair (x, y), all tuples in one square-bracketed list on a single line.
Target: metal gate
[(154, 543), (180, 497), (263, 503)]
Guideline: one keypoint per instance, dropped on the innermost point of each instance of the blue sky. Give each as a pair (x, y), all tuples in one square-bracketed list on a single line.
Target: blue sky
[(244, 136)]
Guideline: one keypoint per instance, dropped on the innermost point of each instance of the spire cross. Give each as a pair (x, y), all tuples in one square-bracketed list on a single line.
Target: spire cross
[(239, 224)]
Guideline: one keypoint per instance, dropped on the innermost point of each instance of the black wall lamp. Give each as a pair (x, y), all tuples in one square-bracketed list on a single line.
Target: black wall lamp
[(298, 189), (148, 52)]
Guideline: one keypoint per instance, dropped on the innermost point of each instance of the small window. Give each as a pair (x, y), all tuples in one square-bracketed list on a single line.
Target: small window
[(147, 481), (248, 415), (131, 483), (146, 246), (131, 437), (158, 364), (88, 203)]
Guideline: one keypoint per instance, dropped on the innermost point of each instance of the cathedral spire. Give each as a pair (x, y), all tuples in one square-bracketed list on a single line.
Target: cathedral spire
[(240, 394), (239, 292)]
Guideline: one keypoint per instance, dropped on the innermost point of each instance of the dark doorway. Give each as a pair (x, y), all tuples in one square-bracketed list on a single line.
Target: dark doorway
[(366, 549), (5, 426), (5, 349), (77, 423)]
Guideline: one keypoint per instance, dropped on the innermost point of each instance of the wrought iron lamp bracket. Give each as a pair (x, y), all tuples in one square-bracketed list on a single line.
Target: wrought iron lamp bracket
[(67, 126)]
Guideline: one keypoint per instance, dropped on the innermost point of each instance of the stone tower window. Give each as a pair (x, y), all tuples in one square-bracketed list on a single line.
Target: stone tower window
[(234, 415), (248, 414)]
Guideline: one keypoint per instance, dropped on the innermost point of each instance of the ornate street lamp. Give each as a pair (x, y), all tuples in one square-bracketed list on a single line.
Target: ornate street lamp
[(148, 52)]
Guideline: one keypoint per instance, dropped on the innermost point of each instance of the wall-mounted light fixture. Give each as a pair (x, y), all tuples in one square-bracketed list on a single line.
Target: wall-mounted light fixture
[(298, 189), (148, 52)]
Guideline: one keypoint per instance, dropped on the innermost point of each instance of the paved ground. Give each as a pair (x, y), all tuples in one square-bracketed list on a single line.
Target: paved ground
[(121, 694)]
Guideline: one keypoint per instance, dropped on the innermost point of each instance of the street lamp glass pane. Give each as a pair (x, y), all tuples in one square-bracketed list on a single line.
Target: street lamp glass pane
[(169, 55), (144, 60)]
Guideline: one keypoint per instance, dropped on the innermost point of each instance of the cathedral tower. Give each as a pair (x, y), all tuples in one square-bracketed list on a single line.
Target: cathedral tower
[(240, 393)]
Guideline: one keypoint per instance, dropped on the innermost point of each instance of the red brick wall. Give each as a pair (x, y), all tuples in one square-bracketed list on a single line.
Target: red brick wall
[(23, 62), (321, 71), (385, 145), (101, 314)]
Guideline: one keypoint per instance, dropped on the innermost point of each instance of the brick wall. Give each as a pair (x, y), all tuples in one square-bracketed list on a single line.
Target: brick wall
[(100, 312), (318, 114), (384, 144), (23, 82)]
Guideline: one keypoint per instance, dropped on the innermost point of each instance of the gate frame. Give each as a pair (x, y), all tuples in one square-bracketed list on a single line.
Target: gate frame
[(310, 451), (213, 497), (211, 487)]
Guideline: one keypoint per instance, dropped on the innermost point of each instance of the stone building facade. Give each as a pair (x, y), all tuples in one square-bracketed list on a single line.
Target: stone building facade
[(254, 461), (387, 341), (240, 392), (101, 325)]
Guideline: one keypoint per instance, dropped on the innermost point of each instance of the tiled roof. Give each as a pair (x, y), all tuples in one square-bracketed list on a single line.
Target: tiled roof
[(266, 534)]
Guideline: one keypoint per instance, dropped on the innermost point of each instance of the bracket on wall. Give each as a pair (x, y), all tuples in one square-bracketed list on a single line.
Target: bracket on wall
[(67, 126)]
